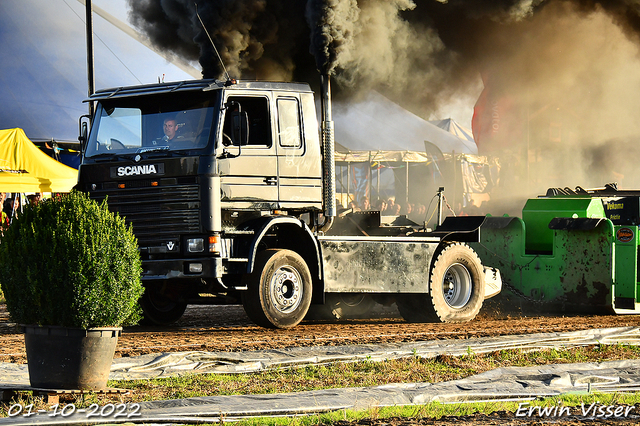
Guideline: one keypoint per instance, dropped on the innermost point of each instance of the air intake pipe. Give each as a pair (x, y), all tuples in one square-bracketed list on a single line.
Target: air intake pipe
[(328, 155)]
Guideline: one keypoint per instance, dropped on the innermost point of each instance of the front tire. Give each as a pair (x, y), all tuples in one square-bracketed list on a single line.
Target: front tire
[(279, 289), (160, 310), (456, 289)]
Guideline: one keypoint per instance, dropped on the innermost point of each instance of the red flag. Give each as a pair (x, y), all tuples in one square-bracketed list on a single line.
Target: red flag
[(496, 122)]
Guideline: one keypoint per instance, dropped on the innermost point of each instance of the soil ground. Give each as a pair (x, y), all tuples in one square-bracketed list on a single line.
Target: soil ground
[(227, 328)]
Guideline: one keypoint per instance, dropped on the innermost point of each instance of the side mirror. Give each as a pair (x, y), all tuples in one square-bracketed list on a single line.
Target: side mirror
[(240, 135), (84, 131)]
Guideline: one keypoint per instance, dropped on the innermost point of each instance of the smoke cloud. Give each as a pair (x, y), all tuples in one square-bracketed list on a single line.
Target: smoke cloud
[(333, 24), (560, 77)]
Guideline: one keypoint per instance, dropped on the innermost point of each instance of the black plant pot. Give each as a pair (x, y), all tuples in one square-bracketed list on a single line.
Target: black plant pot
[(70, 358)]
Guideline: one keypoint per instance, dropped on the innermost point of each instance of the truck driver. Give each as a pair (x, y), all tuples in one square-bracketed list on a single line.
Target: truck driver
[(170, 126)]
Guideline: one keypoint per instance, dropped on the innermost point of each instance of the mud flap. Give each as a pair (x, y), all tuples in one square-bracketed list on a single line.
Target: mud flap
[(492, 282)]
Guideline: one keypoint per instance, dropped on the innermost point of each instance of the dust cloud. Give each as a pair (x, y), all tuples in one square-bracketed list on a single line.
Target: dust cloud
[(560, 89), (560, 77)]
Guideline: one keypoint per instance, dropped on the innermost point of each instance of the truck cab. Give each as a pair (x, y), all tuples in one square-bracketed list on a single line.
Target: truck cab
[(256, 143)]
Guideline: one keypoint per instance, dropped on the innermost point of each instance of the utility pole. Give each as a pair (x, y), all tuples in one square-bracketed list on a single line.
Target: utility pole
[(90, 76)]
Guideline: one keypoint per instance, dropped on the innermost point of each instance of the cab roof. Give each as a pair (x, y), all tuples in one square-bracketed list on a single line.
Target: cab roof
[(195, 85)]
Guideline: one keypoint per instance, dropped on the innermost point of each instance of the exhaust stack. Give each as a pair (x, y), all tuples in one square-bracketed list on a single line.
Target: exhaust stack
[(328, 155)]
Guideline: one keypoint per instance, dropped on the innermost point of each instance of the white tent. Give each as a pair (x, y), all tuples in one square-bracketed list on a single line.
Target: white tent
[(376, 124), (43, 77), (455, 128)]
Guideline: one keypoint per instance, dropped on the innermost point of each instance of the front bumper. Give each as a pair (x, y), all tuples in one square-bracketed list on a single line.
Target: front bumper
[(182, 269)]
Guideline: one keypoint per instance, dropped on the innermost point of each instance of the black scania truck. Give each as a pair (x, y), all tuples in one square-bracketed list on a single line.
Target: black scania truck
[(235, 203)]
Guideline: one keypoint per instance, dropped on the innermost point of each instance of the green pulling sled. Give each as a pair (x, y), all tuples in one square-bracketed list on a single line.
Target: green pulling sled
[(573, 250)]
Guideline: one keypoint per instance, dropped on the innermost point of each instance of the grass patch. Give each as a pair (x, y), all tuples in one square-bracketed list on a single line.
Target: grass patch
[(367, 373), (556, 409), (358, 374)]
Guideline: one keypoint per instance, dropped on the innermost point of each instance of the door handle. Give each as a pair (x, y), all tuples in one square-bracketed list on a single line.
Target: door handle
[(271, 180)]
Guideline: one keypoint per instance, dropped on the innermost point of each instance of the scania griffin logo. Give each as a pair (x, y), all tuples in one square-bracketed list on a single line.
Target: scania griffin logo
[(146, 169)]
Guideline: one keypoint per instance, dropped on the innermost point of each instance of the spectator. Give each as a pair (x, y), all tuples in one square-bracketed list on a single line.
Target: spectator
[(391, 206), (5, 217), (34, 199), (366, 205), (382, 207), (11, 207)]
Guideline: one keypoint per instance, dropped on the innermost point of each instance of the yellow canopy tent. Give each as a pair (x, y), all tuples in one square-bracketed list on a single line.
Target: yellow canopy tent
[(25, 168)]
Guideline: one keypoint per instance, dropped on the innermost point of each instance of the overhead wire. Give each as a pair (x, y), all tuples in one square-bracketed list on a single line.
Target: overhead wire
[(105, 44)]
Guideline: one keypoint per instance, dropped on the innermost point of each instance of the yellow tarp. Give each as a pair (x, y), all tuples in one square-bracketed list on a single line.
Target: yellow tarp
[(25, 168)]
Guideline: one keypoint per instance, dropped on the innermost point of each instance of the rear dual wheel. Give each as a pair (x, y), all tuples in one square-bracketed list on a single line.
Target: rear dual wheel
[(279, 292), (456, 289)]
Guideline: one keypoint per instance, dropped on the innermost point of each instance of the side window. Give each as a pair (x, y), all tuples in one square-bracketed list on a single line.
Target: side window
[(257, 110), (289, 123)]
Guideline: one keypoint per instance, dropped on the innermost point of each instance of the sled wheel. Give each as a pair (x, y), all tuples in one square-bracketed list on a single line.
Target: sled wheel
[(456, 289), (160, 310), (279, 292), (342, 306), (411, 307), (354, 305)]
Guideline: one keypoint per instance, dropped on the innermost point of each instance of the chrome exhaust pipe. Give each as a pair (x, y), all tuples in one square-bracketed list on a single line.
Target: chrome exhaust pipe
[(328, 155)]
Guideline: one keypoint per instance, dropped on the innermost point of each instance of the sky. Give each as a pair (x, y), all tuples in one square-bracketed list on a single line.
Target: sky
[(145, 69), (43, 77)]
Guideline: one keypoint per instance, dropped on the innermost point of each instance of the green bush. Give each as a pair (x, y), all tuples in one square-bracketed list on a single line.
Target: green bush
[(70, 262)]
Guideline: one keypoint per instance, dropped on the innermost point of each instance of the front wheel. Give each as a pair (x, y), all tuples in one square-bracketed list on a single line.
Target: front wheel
[(456, 289), (279, 289), (158, 309)]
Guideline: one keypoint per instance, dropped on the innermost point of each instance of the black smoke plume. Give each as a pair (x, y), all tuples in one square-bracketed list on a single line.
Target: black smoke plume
[(564, 72), (333, 25)]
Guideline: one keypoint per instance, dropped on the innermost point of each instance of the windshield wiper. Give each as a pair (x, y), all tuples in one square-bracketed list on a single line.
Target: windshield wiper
[(108, 156), (182, 151), (168, 153), (154, 149)]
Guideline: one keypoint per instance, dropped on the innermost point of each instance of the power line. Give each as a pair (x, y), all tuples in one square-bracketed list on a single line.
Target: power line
[(105, 44)]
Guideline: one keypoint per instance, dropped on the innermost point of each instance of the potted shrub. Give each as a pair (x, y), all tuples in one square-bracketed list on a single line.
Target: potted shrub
[(70, 272)]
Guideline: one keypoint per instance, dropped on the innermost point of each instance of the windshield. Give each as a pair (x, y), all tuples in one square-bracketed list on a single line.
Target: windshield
[(138, 125)]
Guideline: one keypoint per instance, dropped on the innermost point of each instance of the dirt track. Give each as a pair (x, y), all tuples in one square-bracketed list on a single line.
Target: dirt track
[(226, 328)]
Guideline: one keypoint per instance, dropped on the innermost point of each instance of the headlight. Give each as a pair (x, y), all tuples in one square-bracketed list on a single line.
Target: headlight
[(195, 268), (195, 245)]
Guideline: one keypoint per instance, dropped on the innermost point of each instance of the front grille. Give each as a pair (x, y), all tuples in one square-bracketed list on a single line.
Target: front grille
[(157, 213)]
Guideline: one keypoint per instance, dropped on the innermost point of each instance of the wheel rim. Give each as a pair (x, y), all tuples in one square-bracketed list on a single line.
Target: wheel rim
[(285, 289), (457, 286)]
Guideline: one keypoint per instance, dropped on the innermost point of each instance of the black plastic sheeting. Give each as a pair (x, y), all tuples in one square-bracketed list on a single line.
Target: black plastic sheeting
[(514, 383), (180, 363)]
